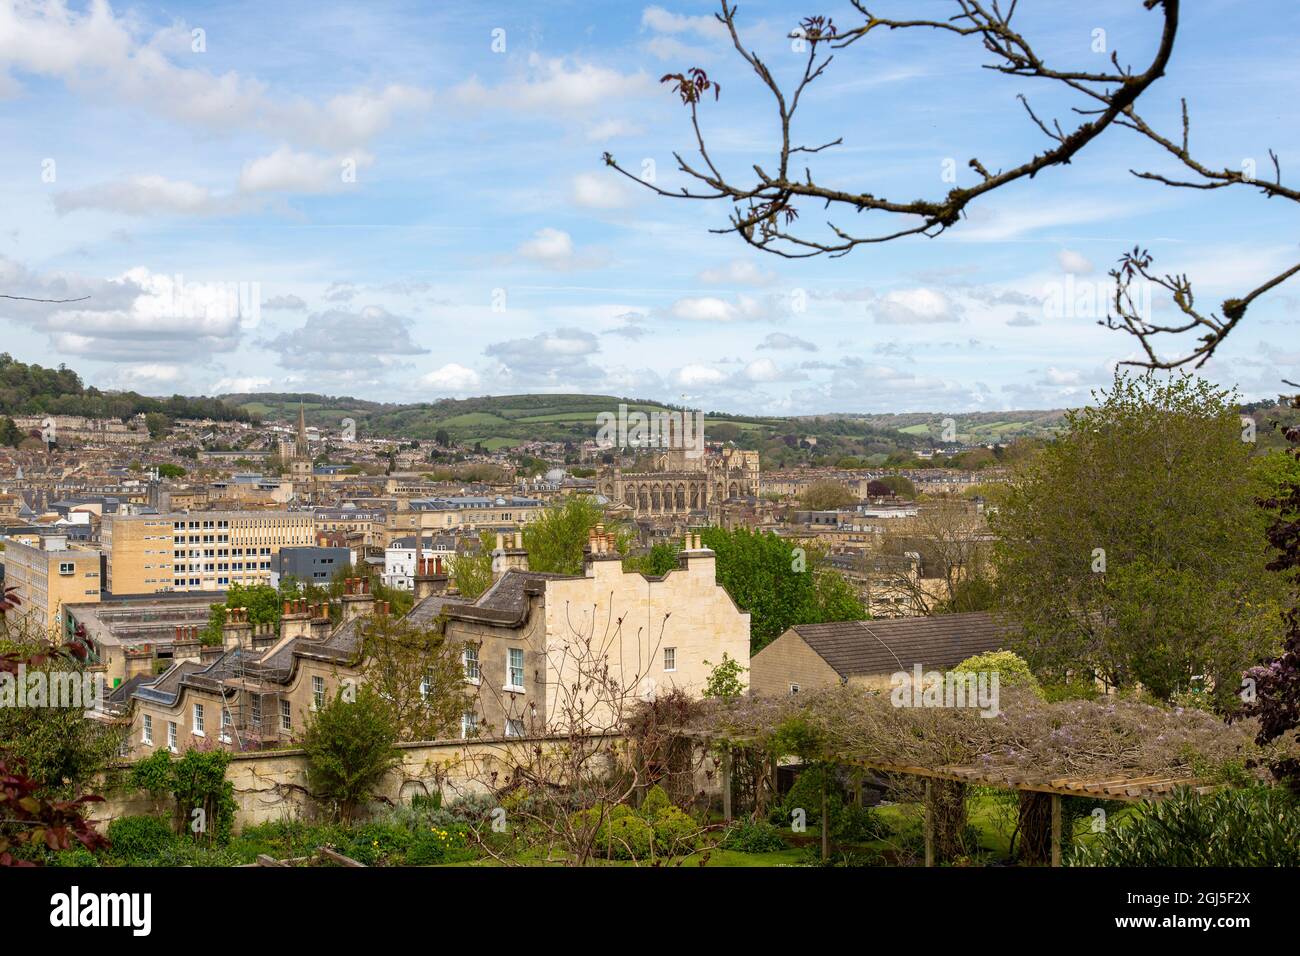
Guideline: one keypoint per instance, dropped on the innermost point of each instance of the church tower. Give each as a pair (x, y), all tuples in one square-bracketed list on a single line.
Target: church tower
[(298, 460)]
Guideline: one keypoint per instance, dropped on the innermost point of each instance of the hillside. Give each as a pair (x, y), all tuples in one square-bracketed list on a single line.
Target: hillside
[(33, 390)]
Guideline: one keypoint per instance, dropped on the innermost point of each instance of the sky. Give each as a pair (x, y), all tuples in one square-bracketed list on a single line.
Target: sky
[(409, 201)]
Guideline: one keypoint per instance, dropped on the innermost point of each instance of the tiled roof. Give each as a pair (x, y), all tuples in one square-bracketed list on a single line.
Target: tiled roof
[(877, 647)]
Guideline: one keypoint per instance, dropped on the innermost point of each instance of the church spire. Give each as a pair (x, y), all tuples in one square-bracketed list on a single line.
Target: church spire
[(303, 449)]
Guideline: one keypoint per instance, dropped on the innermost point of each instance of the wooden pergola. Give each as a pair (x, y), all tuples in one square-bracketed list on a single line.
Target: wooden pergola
[(1116, 786), (1128, 789)]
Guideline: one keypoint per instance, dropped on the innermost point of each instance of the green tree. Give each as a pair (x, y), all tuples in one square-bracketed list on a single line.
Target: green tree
[(826, 495), (168, 470), (1132, 547), (659, 560), (778, 584), (158, 424), (419, 676), (555, 540), (472, 570), (350, 746), (10, 434)]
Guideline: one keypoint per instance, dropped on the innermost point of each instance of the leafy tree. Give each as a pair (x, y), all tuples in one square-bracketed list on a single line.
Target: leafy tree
[(1012, 669), (899, 485), (1272, 691), (168, 470), (419, 676), (158, 424), (349, 747), (555, 540), (779, 585), (659, 560), (827, 495), (59, 749), (264, 603), (724, 681), (472, 570), (10, 434), (1132, 548), (47, 754)]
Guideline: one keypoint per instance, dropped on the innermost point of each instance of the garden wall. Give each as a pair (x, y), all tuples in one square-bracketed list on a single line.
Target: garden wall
[(272, 784)]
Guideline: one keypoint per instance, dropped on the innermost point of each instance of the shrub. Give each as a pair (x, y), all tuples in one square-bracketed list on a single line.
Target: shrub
[(1012, 669), (626, 836), (748, 836), (674, 831), (139, 840), (349, 745), (846, 821), (377, 843), (1259, 826)]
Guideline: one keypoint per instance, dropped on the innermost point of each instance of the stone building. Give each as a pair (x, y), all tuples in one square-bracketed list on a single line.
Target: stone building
[(680, 484), (524, 644)]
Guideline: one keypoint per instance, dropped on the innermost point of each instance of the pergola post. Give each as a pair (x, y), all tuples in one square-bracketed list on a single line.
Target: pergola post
[(726, 784), (1056, 829), (929, 822)]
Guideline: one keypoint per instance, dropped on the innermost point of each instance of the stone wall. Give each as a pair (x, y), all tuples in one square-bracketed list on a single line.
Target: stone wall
[(272, 785)]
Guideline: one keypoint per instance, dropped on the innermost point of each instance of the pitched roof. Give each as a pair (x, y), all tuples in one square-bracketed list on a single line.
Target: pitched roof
[(878, 647)]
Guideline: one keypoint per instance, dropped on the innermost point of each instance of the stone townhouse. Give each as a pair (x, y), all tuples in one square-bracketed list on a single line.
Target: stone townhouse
[(534, 646)]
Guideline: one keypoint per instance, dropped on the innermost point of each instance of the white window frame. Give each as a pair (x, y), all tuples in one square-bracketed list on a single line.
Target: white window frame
[(511, 669), (317, 692), (286, 716), (670, 659), (468, 725), (469, 660), (511, 724), (199, 724), (227, 722), (171, 736), (794, 689), (146, 729)]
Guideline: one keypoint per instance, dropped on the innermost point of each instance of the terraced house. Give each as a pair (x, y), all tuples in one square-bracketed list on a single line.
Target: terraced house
[(524, 644)]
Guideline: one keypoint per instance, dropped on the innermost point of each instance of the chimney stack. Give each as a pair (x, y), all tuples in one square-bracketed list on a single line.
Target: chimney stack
[(357, 599), (430, 579), (237, 631), (510, 554)]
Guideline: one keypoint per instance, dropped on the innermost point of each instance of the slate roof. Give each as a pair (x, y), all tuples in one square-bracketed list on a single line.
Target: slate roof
[(878, 647)]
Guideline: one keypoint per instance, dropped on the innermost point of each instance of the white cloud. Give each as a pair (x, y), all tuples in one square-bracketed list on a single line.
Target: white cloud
[(781, 341), (287, 170), (695, 375), (712, 309), (1074, 262), (553, 85), (662, 21), (596, 191), (341, 339), (611, 129), (147, 376), (144, 196), (98, 52), (548, 245), (915, 307), (137, 317), (239, 385), (452, 378), (736, 272), (762, 370)]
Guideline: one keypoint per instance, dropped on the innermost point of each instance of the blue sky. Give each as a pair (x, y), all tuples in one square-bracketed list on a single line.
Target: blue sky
[(424, 214)]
